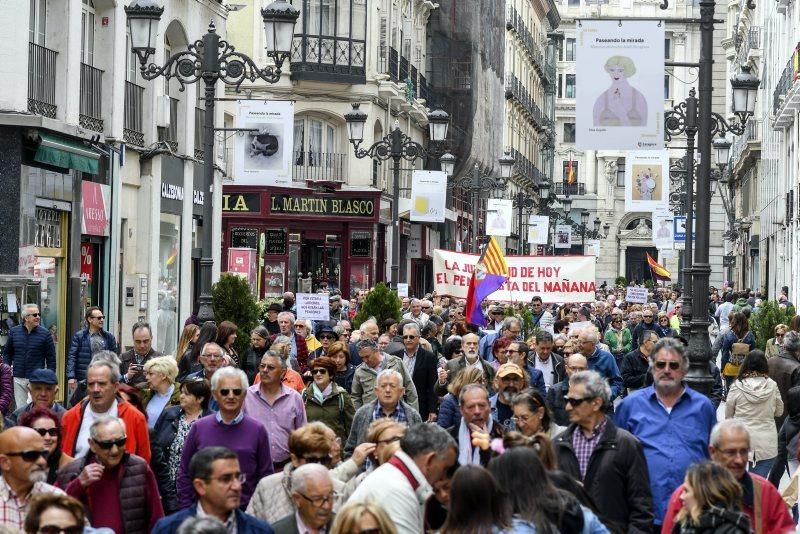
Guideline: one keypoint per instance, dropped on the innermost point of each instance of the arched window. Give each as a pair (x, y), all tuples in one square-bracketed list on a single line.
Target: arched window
[(317, 149), (635, 222), (330, 41)]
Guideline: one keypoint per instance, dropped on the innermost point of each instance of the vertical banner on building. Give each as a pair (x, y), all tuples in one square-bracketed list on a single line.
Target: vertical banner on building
[(498, 217), (662, 229), (646, 181), (428, 195), (621, 80), (538, 229), (563, 236), (264, 156)]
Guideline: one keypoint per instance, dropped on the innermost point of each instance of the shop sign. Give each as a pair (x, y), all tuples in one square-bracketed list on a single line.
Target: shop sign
[(87, 261), (315, 205), (94, 203), (276, 242), (241, 202), (48, 228), (171, 191), (361, 244), (244, 238)]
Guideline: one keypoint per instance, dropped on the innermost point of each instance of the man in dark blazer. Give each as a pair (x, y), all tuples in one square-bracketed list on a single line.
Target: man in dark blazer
[(470, 356), (313, 497), (421, 365)]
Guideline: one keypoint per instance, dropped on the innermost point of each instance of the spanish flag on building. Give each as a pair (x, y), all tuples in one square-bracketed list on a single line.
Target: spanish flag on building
[(657, 270), (570, 173), (489, 275)]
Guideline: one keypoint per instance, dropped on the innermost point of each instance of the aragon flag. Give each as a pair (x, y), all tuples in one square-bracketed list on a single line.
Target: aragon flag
[(489, 275), (657, 270)]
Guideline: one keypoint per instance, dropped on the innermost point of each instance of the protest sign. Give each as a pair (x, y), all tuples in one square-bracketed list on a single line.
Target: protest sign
[(636, 294), (314, 306), (402, 289), (554, 278)]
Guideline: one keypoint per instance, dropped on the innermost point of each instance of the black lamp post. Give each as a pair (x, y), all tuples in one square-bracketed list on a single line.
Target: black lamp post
[(210, 59), (709, 124), (522, 201), (397, 146)]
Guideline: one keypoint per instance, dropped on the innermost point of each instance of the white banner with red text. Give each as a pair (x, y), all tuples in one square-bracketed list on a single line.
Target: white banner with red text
[(554, 278)]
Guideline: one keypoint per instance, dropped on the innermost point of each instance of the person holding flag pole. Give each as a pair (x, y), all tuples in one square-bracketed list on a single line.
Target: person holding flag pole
[(489, 275)]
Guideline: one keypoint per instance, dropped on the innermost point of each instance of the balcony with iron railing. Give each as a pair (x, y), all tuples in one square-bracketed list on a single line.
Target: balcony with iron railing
[(517, 91), (563, 188), (42, 80), (527, 169), (786, 96), (746, 47), (91, 116), (515, 22), (746, 145), (328, 58), (169, 135), (133, 123), (318, 167)]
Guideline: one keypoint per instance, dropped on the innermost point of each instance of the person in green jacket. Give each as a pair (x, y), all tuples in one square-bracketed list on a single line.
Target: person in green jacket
[(618, 338), (325, 401)]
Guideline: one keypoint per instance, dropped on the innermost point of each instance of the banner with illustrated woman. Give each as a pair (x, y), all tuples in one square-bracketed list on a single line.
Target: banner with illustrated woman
[(620, 66), (647, 181)]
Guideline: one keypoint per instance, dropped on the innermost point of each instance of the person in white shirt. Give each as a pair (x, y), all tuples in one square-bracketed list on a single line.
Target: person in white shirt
[(549, 363), (723, 310), (416, 314)]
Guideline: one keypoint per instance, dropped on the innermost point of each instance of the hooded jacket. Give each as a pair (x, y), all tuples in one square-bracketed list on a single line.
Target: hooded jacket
[(756, 401)]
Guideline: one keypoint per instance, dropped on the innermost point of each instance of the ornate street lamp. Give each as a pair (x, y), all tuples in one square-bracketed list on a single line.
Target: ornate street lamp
[(745, 89), (448, 163), (722, 152), (506, 165)]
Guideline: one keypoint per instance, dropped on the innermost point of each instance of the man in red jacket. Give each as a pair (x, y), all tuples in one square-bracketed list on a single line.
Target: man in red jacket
[(101, 385), (730, 447)]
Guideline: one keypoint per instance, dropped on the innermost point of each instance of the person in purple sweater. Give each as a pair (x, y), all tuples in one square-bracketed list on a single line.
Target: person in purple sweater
[(230, 428)]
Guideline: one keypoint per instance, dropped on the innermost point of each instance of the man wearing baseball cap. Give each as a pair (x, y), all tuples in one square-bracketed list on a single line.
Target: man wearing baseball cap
[(43, 389), (508, 381)]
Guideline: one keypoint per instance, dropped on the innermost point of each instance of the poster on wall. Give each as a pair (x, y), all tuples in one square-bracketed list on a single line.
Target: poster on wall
[(647, 181), (621, 66), (662, 229), (428, 195), (538, 229), (498, 217), (264, 155), (563, 236)]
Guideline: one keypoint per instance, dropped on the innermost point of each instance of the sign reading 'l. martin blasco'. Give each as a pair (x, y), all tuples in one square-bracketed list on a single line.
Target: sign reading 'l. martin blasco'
[(315, 205)]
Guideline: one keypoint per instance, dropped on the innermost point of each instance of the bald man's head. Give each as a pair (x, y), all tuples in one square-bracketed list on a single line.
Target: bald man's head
[(576, 363), (23, 458), (20, 438)]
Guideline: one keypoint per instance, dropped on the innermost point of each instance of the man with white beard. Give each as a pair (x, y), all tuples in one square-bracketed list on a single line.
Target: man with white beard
[(23, 462), (471, 358), (509, 380)]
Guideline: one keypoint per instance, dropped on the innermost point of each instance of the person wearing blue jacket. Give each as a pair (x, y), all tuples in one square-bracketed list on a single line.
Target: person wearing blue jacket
[(86, 343), (29, 347), (601, 361)]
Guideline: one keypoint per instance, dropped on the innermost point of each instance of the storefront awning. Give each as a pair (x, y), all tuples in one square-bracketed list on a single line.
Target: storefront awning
[(61, 152)]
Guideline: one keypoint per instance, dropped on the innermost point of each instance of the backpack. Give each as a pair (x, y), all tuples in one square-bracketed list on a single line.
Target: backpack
[(739, 349)]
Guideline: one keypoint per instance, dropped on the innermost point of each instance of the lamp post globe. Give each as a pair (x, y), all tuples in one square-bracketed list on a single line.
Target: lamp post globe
[(506, 166), (143, 18), (566, 202), (279, 20), (448, 163), (722, 151), (438, 123), (745, 89), (356, 119)]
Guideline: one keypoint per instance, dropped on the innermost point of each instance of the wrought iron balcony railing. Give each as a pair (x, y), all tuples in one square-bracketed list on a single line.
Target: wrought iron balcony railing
[(133, 128), (91, 101), (42, 80), (563, 188), (318, 166)]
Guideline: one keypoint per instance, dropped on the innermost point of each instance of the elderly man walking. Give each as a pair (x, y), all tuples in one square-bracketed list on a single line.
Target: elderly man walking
[(373, 362), (672, 421), (476, 417), (86, 343), (421, 365), (29, 347), (313, 498)]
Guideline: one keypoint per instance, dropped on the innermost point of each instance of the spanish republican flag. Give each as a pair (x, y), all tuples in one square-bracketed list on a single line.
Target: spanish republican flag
[(657, 270), (489, 275), (570, 173)]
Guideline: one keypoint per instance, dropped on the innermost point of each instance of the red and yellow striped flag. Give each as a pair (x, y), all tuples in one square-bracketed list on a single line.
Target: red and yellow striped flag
[(570, 173), (657, 270)]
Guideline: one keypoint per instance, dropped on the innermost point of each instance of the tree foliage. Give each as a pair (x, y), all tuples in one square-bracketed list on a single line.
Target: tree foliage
[(233, 301), (381, 303), (764, 321)]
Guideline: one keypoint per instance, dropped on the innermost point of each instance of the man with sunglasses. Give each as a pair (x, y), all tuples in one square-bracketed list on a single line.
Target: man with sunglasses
[(279, 407), (23, 463), (314, 497), (421, 364), (672, 421), (29, 347), (86, 343), (648, 323), (608, 460), (218, 480), (229, 427), (118, 489)]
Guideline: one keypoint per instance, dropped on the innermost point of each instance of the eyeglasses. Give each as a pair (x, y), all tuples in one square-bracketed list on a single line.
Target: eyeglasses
[(321, 460), (97, 317), (663, 318), (576, 401), (34, 314), (107, 445), (320, 501), (319, 372), (44, 431), (389, 440), (647, 316), (410, 337), (55, 529), (30, 456), (225, 392), (267, 367), (212, 356), (674, 366), (327, 336), (228, 478), (733, 453)]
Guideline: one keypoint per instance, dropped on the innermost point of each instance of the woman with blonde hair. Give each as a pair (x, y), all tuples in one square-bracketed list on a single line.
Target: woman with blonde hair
[(162, 391), (188, 338), (367, 516), (449, 409), (775, 344), (712, 502)]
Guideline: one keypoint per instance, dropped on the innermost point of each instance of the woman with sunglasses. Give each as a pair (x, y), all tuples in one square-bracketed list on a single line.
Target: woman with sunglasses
[(775, 344), (302, 327), (754, 399), (51, 513), (663, 327), (48, 425), (325, 401), (532, 416), (325, 337)]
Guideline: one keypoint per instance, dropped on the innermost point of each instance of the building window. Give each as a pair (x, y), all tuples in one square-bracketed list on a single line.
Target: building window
[(87, 32), (666, 87), (316, 144), (330, 39), (574, 3), (37, 28), (667, 47), (169, 246), (560, 87), (569, 91), (569, 132), (569, 48), (620, 172)]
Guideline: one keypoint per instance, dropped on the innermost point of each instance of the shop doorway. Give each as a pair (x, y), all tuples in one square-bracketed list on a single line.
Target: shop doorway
[(636, 266), (320, 266)]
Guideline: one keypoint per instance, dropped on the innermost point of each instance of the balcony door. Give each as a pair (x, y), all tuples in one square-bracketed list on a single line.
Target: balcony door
[(38, 24), (316, 150), (87, 32)]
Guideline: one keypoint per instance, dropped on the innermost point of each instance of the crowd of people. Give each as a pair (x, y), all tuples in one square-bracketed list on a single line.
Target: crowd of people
[(426, 424)]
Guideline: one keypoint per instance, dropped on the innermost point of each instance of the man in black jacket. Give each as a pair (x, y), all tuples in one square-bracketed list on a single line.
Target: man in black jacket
[(608, 461), (636, 364), (548, 362), (575, 363), (421, 365), (647, 324)]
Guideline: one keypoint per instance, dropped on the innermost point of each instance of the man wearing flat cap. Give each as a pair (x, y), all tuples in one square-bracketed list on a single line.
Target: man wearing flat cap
[(271, 322)]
